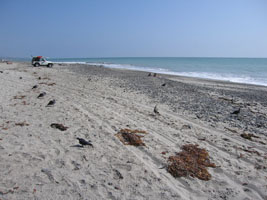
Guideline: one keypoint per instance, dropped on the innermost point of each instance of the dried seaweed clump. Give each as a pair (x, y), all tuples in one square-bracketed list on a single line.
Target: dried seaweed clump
[(59, 126), (19, 97), (22, 124), (192, 161), (248, 136), (130, 137)]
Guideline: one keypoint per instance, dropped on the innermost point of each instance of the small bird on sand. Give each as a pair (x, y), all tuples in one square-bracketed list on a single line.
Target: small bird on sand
[(164, 84), (83, 142), (51, 103), (156, 109), (236, 112), (35, 86), (41, 95)]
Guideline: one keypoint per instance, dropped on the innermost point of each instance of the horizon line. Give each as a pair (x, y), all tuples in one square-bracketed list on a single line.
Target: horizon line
[(10, 57)]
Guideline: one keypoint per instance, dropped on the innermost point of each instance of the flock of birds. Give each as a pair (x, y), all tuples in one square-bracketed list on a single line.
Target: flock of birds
[(52, 102)]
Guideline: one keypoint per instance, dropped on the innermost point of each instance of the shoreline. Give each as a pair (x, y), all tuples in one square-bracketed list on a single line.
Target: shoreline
[(134, 67), (170, 73), (95, 103)]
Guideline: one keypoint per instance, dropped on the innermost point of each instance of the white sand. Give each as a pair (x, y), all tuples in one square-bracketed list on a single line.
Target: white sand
[(39, 162)]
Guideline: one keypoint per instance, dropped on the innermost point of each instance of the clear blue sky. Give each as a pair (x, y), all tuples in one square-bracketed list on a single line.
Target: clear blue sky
[(119, 28)]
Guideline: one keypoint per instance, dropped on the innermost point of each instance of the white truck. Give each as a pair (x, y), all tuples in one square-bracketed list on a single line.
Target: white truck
[(41, 61)]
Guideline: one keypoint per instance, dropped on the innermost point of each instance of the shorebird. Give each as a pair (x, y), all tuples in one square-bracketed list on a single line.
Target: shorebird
[(41, 95), (51, 103), (156, 110), (236, 112), (83, 142)]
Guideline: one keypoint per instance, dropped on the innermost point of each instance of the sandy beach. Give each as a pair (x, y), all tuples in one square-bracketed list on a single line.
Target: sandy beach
[(39, 161)]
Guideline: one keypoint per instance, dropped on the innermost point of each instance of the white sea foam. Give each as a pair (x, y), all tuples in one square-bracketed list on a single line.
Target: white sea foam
[(223, 77), (84, 63), (204, 75)]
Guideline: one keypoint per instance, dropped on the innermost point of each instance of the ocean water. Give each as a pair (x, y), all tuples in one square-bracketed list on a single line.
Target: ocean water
[(240, 70)]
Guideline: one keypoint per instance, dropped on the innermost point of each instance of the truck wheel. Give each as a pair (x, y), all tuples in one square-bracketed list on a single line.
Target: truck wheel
[(36, 65), (50, 65)]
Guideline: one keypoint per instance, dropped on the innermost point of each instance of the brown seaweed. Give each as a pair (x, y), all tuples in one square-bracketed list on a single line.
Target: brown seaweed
[(192, 161), (130, 137)]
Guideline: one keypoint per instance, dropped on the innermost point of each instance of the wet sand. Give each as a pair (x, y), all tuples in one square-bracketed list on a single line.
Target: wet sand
[(41, 162)]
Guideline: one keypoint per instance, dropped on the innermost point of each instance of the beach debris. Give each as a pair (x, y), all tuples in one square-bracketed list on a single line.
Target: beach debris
[(8, 62), (48, 84), (20, 77), (83, 142), (164, 152), (186, 126), (59, 126), (35, 86), (1, 72), (251, 151), (248, 136), (231, 130), (76, 165), (41, 95), (9, 191), (164, 84), (51, 103), (39, 78), (130, 137), (236, 112), (22, 124), (226, 139), (156, 110), (192, 161), (19, 97), (227, 99), (149, 74), (25, 103), (48, 173), (155, 74), (118, 174)]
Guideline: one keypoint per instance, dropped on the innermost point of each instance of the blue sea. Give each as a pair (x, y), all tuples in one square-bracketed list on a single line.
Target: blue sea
[(240, 70)]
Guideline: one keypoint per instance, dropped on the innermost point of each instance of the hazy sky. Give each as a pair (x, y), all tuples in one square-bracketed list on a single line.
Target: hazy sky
[(107, 28)]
